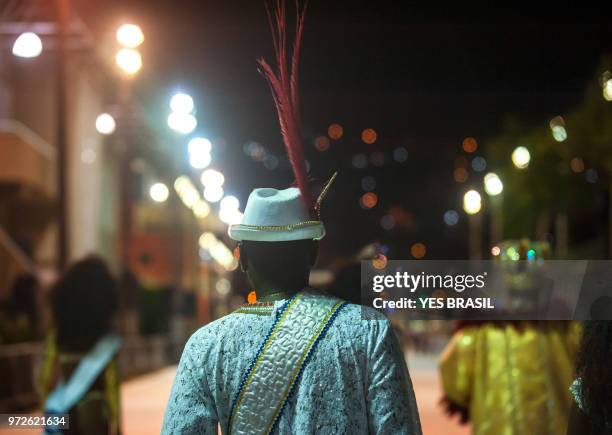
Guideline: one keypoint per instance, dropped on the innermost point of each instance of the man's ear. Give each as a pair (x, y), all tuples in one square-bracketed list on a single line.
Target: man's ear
[(314, 252), (242, 260)]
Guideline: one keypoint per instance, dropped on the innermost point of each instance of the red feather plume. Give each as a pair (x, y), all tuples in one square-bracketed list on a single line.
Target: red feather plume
[(284, 86)]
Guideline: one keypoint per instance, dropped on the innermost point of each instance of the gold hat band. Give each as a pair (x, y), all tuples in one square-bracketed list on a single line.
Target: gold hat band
[(287, 227)]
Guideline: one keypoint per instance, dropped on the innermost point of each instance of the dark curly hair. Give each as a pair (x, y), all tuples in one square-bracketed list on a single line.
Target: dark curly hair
[(594, 370), (84, 301)]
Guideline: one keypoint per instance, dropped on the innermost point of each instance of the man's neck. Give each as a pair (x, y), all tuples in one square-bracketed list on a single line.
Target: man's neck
[(271, 291)]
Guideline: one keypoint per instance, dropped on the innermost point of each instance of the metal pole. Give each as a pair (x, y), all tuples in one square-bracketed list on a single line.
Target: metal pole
[(475, 236), (62, 136), (497, 218)]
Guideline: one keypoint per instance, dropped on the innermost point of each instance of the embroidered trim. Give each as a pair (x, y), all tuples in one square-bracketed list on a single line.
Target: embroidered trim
[(247, 376), (262, 311), (277, 402), (287, 227), (321, 333)]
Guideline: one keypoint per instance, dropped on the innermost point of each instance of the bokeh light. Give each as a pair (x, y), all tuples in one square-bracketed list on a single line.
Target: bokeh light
[(159, 192), (369, 200), (557, 128), (201, 209), (199, 160), (181, 103), (223, 286), (105, 124), (129, 60), (380, 262), (27, 45), (211, 178), (521, 157), (130, 35), (321, 143), (607, 90), (479, 164), (230, 202), (469, 145), (460, 175), (400, 154), (472, 202), (577, 165), (495, 251), (418, 250), (451, 218), (387, 222), (368, 183), (218, 251), (369, 136), (513, 254), (182, 122), (199, 145), (493, 184), (591, 176), (252, 297), (230, 216), (335, 131), (199, 152), (270, 162), (213, 193)]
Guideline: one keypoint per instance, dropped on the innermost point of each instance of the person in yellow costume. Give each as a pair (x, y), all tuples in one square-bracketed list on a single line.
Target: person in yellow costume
[(511, 377), (78, 374)]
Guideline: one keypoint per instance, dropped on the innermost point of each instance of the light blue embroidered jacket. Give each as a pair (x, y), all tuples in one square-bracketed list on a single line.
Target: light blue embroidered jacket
[(355, 383)]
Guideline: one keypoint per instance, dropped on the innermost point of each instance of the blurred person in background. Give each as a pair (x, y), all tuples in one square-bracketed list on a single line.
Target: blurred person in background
[(79, 371), (513, 376), (591, 412), (20, 316)]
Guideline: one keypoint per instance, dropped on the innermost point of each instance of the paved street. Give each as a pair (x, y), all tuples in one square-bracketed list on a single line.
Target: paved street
[(144, 399)]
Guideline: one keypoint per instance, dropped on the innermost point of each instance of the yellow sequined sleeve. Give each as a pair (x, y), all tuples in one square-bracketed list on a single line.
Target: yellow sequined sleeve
[(457, 367)]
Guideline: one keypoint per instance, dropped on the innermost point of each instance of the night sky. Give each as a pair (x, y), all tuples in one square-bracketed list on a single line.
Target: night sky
[(424, 77)]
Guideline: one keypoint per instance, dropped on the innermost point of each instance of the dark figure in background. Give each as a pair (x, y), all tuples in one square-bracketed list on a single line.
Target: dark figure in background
[(20, 317), (591, 412), (84, 302)]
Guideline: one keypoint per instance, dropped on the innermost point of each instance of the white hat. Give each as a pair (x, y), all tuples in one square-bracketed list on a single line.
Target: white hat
[(273, 215)]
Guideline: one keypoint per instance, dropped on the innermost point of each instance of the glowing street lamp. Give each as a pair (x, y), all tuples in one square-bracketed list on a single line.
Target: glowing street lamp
[(213, 193), (182, 103), (130, 35), (183, 123), (199, 145), (159, 192), (199, 152), (129, 60), (199, 160), (493, 184), (201, 209), (472, 202), (212, 178), (229, 203), (105, 124), (27, 45), (521, 157)]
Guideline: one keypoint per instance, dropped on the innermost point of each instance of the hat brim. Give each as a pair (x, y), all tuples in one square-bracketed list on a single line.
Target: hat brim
[(314, 231)]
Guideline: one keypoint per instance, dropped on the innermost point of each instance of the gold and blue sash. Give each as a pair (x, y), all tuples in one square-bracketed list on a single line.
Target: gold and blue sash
[(66, 395), (272, 376)]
